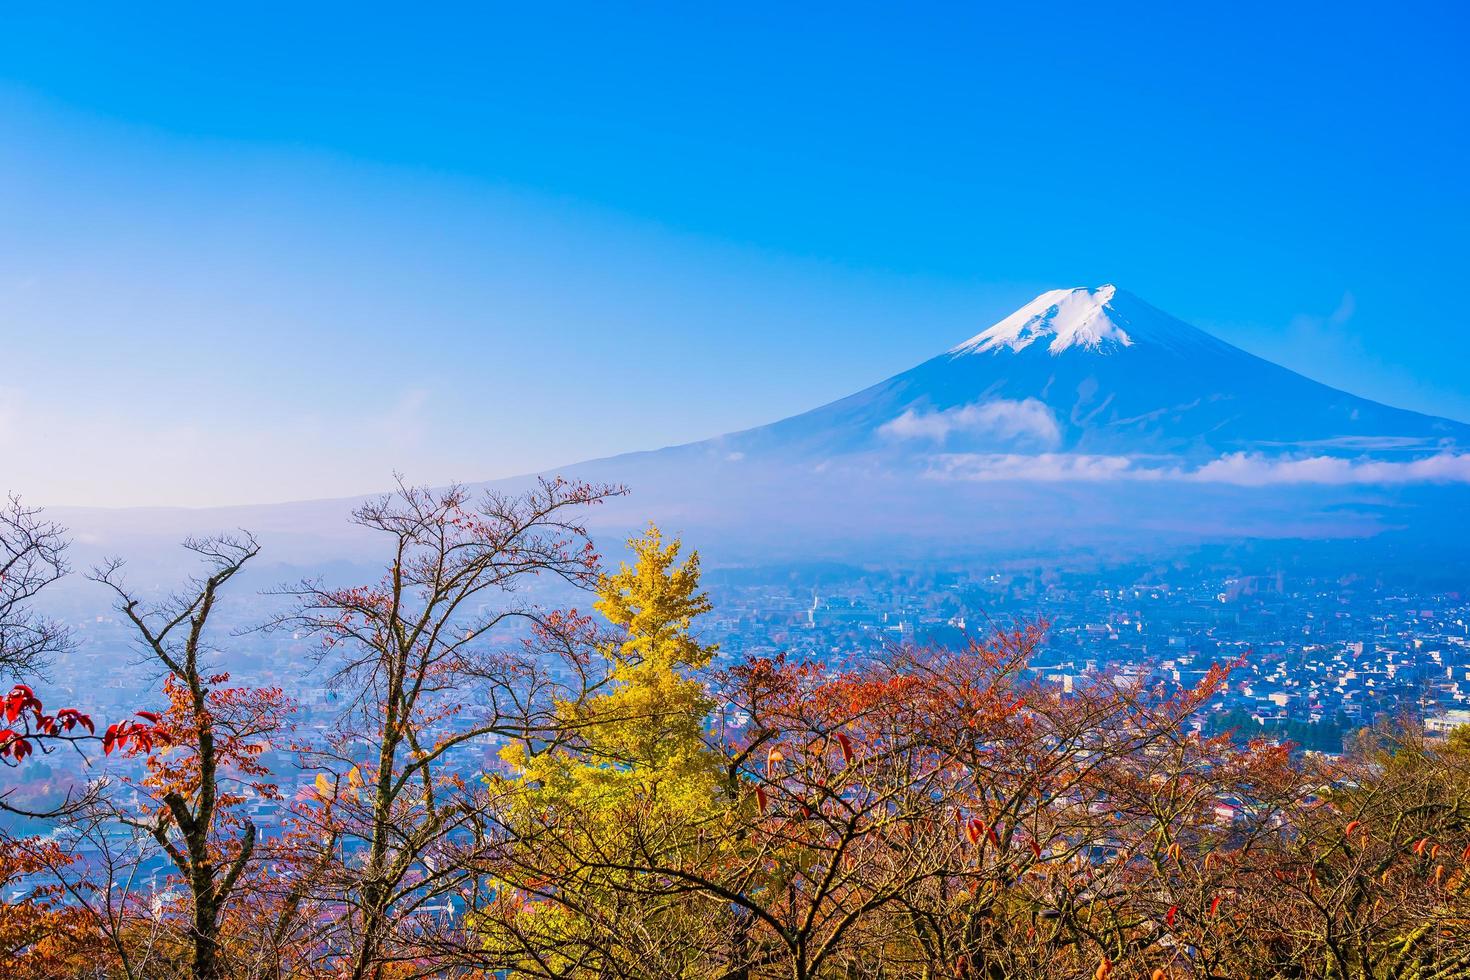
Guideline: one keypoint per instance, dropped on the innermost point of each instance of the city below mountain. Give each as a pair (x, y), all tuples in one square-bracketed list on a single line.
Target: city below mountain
[(1087, 419)]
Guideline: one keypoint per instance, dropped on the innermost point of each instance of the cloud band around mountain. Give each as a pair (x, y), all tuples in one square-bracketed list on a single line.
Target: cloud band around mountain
[(1237, 469), (1002, 418)]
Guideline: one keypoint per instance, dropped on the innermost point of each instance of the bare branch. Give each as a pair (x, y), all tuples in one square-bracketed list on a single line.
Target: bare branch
[(32, 556)]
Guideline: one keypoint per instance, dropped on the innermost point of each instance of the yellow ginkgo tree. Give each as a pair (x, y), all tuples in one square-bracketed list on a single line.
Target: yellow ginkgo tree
[(635, 787)]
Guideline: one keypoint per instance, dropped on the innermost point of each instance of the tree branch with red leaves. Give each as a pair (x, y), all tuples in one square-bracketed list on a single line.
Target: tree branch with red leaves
[(211, 737)]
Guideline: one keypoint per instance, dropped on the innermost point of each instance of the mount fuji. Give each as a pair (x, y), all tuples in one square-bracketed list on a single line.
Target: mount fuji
[(1085, 416), (1086, 419), (1099, 371)]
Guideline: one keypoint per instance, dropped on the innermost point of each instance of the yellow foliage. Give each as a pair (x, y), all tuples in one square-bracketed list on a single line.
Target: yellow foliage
[(636, 772)]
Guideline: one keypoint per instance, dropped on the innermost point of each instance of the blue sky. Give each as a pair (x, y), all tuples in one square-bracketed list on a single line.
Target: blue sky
[(268, 253)]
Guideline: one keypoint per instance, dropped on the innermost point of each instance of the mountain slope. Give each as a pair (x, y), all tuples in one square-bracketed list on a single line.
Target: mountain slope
[(1101, 371)]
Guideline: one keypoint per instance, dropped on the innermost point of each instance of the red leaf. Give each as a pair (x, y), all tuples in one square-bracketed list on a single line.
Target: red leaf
[(846, 743)]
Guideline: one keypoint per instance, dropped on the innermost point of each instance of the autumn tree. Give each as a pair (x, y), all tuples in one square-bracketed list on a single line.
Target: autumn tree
[(32, 557), (864, 832), (43, 935), (46, 924), (1374, 877), (44, 931), (439, 655), (931, 812), (207, 744), (630, 786)]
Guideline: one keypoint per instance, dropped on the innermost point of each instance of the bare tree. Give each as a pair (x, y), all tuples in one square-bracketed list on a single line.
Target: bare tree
[(417, 659), (210, 730), (32, 556)]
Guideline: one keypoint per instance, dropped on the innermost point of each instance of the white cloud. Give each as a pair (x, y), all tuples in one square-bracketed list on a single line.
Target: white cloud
[(1238, 469), (1249, 470), (1040, 468), (1002, 418)]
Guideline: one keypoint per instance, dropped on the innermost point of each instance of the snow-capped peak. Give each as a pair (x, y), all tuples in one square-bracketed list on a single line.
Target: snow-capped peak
[(1080, 317)]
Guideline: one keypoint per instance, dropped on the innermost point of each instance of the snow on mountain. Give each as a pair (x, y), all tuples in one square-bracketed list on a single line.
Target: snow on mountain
[(1070, 317)]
